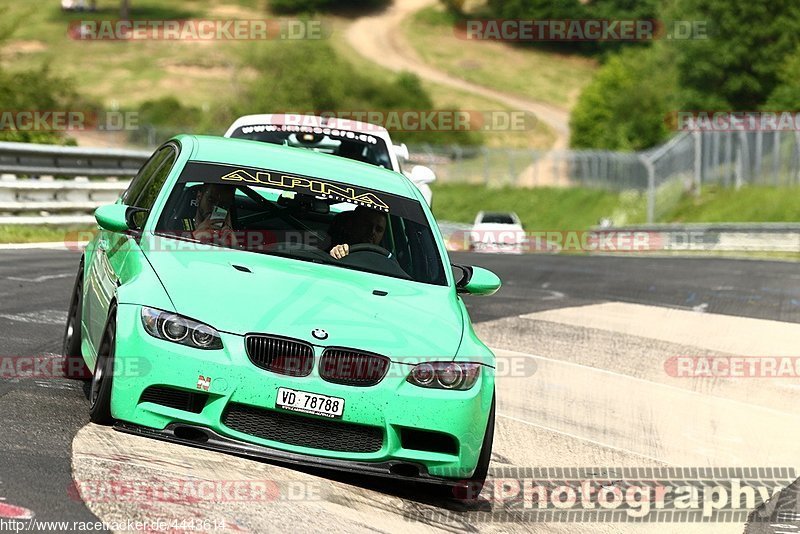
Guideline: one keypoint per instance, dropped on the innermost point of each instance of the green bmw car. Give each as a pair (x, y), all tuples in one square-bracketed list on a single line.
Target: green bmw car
[(281, 304)]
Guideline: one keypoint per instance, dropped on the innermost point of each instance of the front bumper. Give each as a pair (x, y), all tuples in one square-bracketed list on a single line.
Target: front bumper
[(206, 438), (393, 405)]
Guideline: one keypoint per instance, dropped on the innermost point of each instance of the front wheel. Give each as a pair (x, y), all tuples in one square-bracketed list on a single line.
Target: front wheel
[(470, 489), (100, 392), (475, 483), (74, 365)]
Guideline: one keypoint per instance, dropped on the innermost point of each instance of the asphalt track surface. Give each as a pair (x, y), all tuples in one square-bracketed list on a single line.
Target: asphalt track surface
[(596, 331)]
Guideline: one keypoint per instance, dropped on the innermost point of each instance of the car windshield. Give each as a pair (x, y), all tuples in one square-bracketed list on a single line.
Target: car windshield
[(498, 218), (302, 218), (358, 146)]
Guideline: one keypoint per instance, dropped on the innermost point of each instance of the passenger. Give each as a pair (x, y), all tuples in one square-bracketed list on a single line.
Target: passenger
[(212, 220)]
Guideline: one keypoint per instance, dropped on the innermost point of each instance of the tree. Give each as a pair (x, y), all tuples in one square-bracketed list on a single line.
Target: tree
[(737, 66), (31, 89), (623, 9), (536, 9), (613, 10), (310, 6), (335, 86), (786, 96), (627, 105), (36, 89), (125, 9)]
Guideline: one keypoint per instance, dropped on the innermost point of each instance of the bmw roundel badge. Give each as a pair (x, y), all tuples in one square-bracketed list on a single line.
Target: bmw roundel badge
[(319, 333)]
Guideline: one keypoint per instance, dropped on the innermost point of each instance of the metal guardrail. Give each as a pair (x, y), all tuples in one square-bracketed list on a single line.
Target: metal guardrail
[(720, 237), (37, 181), (708, 238), (32, 159)]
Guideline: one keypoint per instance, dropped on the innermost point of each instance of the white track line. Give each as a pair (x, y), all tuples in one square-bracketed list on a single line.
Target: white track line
[(40, 278), (743, 336), (643, 380), (670, 424), (56, 245), (583, 438)]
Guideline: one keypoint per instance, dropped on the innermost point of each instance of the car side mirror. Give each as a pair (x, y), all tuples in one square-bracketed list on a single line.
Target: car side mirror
[(476, 280), (422, 175), (401, 151), (117, 217)]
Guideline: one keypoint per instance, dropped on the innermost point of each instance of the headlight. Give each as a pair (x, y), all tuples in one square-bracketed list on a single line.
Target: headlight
[(178, 329), (444, 375)]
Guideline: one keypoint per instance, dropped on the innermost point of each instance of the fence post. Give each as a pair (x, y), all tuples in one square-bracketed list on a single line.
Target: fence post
[(728, 157), (797, 144), (698, 162), (758, 155), (747, 166), (651, 188), (776, 156), (738, 167)]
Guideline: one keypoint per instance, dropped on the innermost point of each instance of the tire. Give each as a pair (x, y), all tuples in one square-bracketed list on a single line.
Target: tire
[(478, 479), (74, 365), (102, 378), (470, 489)]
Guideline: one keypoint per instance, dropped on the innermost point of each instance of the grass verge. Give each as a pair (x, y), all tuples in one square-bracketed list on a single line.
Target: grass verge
[(541, 208), (42, 233), (578, 208), (544, 76), (748, 204), (124, 74)]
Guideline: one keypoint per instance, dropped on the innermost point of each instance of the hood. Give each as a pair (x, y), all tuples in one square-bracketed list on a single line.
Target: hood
[(291, 298)]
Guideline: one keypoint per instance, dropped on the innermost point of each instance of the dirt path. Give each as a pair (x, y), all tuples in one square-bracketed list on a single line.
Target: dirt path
[(379, 39)]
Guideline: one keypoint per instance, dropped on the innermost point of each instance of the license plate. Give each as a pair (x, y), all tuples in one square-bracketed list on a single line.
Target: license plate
[(313, 403)]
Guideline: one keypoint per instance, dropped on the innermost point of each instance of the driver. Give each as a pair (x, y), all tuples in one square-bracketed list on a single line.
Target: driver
[(364, 226), (212, 220)]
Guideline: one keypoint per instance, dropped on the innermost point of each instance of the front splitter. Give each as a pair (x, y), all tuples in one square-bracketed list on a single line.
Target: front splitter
[(206, 438)]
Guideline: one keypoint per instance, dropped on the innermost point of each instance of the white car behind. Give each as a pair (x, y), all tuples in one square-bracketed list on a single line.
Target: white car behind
[(360, 141), (498, 232)]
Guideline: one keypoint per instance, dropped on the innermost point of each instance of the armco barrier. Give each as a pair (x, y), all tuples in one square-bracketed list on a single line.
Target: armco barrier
[(61, 185), (723, 237), (645, 239)]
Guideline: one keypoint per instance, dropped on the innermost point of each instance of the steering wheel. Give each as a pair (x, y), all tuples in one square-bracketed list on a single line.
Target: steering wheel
[(369, 247)]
